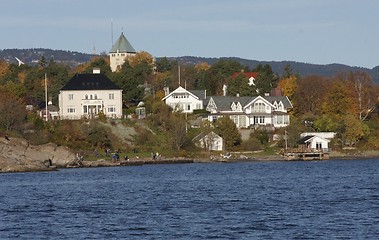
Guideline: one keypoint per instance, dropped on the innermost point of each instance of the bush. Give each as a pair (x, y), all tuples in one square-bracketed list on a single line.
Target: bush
[(252, 144)]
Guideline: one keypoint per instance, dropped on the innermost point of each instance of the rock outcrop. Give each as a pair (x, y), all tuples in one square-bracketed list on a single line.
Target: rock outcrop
[(17, 155)]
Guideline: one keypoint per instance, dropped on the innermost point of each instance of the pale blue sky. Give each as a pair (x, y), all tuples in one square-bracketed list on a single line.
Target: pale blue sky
[(312, 31)]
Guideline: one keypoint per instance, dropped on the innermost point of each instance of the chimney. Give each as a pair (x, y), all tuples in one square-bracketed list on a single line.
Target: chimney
[(267, 94), (166, 91), (276, 92), (96, 71), (224, 90)]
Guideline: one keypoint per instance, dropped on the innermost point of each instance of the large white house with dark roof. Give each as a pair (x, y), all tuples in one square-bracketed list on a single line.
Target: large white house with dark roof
[(119, 51), (244, 111), (87, 95)]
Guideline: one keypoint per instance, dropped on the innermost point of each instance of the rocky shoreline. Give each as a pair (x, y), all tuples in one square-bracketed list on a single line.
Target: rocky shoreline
[(17, 155)]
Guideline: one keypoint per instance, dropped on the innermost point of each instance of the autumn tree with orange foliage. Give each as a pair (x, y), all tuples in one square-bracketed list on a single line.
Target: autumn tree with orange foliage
[(4, 67), (141, 57), (338, 101), (288, 86)]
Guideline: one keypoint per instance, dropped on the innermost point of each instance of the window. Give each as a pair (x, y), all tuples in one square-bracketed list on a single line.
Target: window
[(259, 120), (279, 119), (259, 107), (234, 119), (286, 119), (95, 96), (90, 97), (71, 109), (111, 108), (181, 95), (86, 97), (280, 106), (85, 109), (318, 145), (111, 96), (71, 97), (189, 107)]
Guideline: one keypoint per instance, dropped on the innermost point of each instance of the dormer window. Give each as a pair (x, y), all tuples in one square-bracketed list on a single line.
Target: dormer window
[(86, 96)]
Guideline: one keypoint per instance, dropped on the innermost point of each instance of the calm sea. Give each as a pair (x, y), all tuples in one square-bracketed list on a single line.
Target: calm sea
[(255, 200)]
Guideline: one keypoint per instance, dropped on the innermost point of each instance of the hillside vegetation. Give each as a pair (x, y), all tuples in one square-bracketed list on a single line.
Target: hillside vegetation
[(346, 103)]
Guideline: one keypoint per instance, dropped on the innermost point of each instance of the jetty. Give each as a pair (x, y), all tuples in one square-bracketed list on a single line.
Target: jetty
[(305, 154)]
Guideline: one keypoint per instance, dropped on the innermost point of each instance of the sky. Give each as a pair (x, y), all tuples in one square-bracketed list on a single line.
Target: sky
[(310, 31)]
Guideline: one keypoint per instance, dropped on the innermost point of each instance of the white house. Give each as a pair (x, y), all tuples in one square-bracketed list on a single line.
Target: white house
[(251, 111), (87, 95), (210, 141), (244, 111), (326, 135), (119, 52), (186, 100), (314, 143)]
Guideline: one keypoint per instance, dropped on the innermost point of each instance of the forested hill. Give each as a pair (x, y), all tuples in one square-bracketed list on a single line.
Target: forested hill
[(304, 69), (33, 55)]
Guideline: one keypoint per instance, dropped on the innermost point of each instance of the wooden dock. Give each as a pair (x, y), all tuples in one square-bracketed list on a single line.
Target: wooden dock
[(304, 154)]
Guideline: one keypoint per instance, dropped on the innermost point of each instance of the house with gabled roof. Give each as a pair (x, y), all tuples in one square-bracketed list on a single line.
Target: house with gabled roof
[(209, 141), (88, 95), (251, 111), (120, 50), (185, 100), (245, 111), (314, 142)]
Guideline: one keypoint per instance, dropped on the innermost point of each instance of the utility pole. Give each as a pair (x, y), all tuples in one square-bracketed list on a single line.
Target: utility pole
[(285, 138)]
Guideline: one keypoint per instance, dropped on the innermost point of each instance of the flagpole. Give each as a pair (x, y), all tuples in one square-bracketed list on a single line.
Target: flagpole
[(179, 74), (46, 96)]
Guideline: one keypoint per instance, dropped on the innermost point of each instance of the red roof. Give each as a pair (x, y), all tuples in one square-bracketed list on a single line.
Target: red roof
[(247, 74)]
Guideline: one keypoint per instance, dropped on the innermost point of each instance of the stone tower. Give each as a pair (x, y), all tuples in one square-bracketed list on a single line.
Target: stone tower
[(120, 50)]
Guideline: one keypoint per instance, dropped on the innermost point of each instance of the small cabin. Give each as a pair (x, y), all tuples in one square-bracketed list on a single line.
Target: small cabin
[(314, 143)]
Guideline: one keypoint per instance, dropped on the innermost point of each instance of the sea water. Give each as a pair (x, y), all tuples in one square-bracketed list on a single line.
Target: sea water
[(335, 199)]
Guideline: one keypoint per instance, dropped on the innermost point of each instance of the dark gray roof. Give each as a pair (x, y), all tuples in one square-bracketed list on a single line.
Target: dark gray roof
[(122, 45), (304, 139), (201, 94), (90, 82), (224, 103), (52, 108), (283, 99)]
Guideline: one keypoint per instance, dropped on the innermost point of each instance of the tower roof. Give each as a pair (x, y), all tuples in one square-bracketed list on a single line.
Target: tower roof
[(122, 45)]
